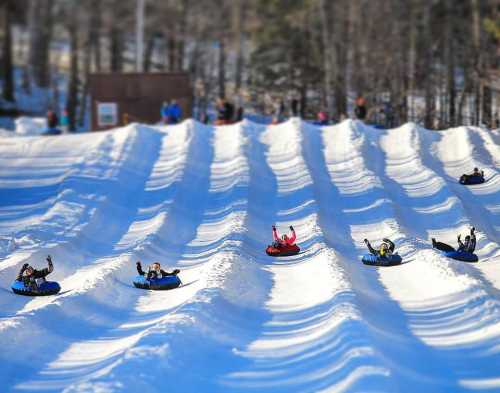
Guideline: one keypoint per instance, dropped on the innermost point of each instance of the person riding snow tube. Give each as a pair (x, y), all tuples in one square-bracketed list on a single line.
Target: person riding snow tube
[(465, 250), (475, 177), (284, 246), (31, 282), (383, 256), (156, 278)]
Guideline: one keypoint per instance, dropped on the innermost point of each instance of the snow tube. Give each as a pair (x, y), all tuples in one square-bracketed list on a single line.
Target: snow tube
[(373, 260), (471, 179), (463, 256), (44, 289), (168, 282), (282, 251)]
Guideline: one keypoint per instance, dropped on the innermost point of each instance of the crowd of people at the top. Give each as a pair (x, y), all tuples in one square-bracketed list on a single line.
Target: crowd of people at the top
[(278, 108)]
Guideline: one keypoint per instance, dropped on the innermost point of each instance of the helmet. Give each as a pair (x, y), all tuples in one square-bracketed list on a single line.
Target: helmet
[(476, 170)]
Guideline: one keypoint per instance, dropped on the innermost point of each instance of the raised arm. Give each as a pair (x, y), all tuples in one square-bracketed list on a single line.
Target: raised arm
[(139, 268), (20, 275), (292, 238), (472, 242), (275, 234), (370, 248)]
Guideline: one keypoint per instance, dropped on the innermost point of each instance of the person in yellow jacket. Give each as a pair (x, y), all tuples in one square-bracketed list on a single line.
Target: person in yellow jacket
[(384, 251)]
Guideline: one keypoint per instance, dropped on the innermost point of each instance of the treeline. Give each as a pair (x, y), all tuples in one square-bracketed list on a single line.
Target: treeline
[(433, 61)]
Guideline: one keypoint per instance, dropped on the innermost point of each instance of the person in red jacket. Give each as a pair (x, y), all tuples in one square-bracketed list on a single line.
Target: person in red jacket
[(285, 240)]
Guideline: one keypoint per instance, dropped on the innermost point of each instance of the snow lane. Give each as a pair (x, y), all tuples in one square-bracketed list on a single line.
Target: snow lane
[(312, 340), (116, 210), (54, 201), (416, 187), (350, 196), (450, 154), (228, 179), (77, 245), (203, 199), (453, 153)]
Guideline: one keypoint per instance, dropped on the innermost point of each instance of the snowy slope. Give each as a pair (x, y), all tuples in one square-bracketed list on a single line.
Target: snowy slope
[(203, 199)]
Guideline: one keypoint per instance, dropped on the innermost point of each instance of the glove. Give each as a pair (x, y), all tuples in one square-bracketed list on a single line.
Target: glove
[(386, 240), (138, 263), (176, 271), (458, 237), (472, 230), (49, 259), (366, 241), (274, 227), (291, 228)]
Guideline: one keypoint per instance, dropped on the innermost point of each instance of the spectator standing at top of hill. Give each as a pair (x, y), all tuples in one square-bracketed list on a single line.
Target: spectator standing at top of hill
[(225, 112), (52, 124), (360, 107), (174, 112), (294, 106)]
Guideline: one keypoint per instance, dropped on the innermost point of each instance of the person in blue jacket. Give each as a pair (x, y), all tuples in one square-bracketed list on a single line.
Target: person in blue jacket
[(468, 245), (174, 112)]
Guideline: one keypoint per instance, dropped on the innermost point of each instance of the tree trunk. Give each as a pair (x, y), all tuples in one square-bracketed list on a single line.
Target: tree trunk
[(341, 59), (181, 42), (72, 100), (116, 49), (240, 41), (478, 68), (328, 54), (148, 53), (40, 27), (7, 67), (94, 34), (172, 52), (222, 68)]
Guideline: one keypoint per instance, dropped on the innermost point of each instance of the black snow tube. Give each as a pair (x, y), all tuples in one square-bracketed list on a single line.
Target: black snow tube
[(471, 179), (463, 256), (168, 282), (374, 260)]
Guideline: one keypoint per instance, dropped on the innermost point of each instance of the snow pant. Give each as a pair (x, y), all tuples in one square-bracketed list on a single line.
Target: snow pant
[(442, 246)]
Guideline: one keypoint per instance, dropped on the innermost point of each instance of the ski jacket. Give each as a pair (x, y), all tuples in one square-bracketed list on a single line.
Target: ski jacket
[(154, 274), (290, 241), (175, 112), (380, 252)]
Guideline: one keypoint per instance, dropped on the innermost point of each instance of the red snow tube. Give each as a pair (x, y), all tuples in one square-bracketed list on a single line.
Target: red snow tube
[(282, 250)]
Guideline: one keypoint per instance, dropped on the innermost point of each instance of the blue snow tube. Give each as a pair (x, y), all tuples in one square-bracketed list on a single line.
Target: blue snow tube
[(463, 256), (44, 289), (168, 282), (471, 179), (373, 260)]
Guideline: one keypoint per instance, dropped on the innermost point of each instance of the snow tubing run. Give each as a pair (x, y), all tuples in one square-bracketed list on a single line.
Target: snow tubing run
[(462, 256), (470, 179), (282, 251), (369, 259), (168, 282), (44, 289)]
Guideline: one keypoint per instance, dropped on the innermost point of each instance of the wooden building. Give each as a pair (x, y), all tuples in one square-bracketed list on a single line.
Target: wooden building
[(122, 98)]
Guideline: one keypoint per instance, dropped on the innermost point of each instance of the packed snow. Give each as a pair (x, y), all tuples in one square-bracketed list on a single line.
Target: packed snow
[(203, 199)]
